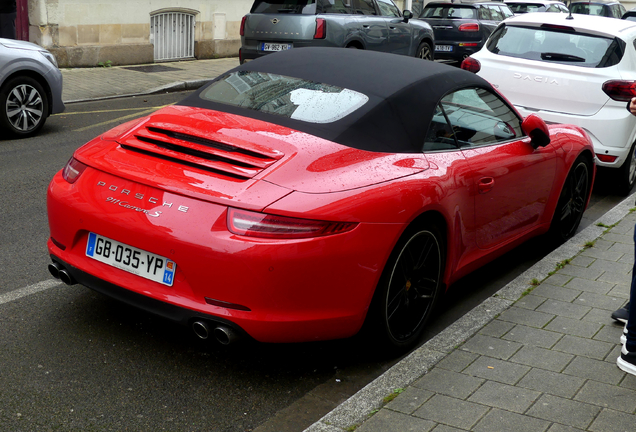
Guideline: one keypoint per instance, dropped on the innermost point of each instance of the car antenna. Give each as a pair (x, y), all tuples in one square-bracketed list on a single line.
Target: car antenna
[(569, 17)]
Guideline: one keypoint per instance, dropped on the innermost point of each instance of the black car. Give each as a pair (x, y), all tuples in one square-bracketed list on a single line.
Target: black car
[(461, 29), (630, 15), (605, 8)]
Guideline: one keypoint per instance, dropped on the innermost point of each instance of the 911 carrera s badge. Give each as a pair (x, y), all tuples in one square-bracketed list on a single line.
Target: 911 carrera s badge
[(140, 197)]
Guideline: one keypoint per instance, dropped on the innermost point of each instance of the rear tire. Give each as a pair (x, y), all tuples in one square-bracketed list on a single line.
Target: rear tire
[(409, 288), (424, 52), (627, 173)]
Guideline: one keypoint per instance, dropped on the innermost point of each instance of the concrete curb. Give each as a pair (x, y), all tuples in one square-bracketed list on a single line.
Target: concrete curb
[(172, 87), (358, 407)]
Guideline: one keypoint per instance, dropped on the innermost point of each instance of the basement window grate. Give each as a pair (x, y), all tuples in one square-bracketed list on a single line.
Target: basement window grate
[(172, 34)]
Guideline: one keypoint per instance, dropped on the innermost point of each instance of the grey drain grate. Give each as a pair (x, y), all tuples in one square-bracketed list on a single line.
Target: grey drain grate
[(152, 68)]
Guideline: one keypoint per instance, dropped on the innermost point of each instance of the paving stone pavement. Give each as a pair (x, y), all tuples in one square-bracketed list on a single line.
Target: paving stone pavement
[(538, 356), (85, 84)]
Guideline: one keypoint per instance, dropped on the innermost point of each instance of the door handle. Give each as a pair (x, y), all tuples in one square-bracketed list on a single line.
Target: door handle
[(365, 25), (485, 184)]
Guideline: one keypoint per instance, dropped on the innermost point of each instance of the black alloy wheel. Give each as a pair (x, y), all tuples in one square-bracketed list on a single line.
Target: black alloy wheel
[(24, 106), (571, 205), (410, 286), (424, 51)]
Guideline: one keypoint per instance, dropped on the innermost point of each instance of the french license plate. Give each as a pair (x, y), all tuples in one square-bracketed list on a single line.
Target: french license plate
[(267, 46), (445, 48), (133, 260)]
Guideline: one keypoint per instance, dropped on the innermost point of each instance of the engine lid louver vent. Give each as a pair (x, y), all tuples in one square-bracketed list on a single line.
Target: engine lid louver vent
[(233, 160)]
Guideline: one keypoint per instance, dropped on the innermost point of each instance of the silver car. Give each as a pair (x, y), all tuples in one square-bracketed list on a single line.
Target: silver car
[(378, 25), (30, 87)]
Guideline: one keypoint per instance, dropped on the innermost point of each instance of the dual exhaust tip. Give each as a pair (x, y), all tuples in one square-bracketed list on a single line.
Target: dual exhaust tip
[(59, 272), (223, 334)]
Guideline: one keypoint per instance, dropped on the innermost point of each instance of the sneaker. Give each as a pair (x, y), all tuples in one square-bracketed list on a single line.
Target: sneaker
[(621, 314), (627, 361), (624, 335)]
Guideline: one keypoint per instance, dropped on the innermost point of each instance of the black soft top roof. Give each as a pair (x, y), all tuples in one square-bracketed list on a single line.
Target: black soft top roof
[(402, 91)]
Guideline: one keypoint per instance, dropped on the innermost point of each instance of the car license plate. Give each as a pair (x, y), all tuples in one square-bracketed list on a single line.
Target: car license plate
[(267, 46), (131, 259), (446, 48)]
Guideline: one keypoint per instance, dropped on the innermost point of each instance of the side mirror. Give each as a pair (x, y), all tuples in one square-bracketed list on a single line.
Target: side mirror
[(407, 14), (537, 130)]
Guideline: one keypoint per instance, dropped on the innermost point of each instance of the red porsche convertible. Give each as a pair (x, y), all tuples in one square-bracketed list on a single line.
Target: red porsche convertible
[(304, 194)]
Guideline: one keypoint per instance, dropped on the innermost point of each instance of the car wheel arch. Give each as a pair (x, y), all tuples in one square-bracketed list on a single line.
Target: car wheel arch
[(586, 157), (431, 224), (355, 43), (36, 76), (428, 217), (431, 45)]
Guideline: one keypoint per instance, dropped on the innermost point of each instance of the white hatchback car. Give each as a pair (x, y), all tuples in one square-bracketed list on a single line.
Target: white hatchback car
[(576, 69)]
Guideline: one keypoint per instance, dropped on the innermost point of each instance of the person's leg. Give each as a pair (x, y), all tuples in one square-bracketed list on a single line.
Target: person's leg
[(7, 25), (627, 359)]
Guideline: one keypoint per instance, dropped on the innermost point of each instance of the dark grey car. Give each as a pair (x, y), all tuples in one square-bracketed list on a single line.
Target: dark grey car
[(378, 25), (461, 29), (605, 8)]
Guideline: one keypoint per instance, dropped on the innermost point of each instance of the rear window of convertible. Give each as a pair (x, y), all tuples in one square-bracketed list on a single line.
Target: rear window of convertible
[(289, 97), (554, 46)]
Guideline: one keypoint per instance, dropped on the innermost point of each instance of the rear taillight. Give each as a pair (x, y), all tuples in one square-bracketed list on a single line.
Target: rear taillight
[(321, 28), (254, 224), (606, 158), (619, 90), (73, 170), (242, 31), (469, 27), (471, 65)]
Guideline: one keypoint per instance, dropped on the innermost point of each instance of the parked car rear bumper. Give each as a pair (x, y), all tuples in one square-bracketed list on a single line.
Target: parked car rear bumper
[(458, 52), (612, 130)]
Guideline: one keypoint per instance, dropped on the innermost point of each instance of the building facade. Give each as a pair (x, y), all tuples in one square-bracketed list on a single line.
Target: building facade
[(85, 33)]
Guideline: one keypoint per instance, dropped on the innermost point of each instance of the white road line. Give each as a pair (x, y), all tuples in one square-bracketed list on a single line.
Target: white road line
[(31, 289)]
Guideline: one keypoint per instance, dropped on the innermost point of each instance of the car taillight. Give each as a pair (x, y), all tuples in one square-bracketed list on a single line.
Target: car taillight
[(469, 27), (321, 28), (254, 224), (618, 90), (606, 158), (73, 170), (471, 65), (242, 31)]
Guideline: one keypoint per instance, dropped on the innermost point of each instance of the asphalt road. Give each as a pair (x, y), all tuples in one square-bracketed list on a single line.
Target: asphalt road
[(71, 359)]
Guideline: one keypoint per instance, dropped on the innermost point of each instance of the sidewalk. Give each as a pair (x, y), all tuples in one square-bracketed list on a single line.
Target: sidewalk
[(529, 359), (88, 84)]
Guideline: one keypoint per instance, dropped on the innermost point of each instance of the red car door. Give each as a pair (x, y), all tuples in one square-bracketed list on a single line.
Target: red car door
[(511, 180)]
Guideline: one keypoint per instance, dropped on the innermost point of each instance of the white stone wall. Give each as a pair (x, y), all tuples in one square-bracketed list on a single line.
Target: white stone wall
[(100, 22)]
